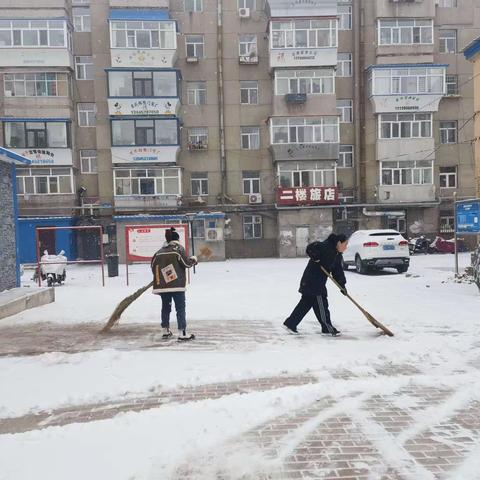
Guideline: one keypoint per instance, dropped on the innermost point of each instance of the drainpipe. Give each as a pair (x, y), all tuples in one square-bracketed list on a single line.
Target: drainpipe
[(357, 73), (221, 105)]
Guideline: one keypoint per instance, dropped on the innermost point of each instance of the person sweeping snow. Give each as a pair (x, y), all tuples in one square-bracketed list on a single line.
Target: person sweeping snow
[(325, 258), (169, 268)]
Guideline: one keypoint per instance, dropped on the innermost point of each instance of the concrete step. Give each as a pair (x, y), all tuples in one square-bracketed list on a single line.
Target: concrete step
[(19, 299)]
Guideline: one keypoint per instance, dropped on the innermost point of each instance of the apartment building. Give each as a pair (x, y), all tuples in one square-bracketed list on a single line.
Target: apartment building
[(263, 124)]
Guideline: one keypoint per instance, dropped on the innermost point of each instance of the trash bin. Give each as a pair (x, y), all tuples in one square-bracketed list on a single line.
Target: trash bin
[(112, 265)]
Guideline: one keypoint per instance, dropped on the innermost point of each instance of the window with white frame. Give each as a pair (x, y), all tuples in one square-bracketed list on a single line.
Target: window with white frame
[(344, 17), (36, 134), (198, 138), (405, 125), (307, 174), (249, 92), (345, 156), (250, 138), (448, 177), (247, 45), (447, 3), (142, 83), (251, 182), (84, 67), (33, 33), (407, 172), (197, 93), (198, 228), (447, 224), (151, 34), (252, 227), (80, 2), (193, 5), (36, 84), (143, 132), (448, 131), (44, 181), (312, 82), (448, 41), (87, 114), (81, 19), (199, 183), (304, 130), (344, 65), (303, 33), (147, 181), (345, 110), (88, 161), (251, 4), (405, 31), (194, 45), (451, 82)]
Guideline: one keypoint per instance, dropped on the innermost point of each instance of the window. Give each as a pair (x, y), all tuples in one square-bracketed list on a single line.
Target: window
[(34, 134), (447, 224), (198, 138), (197, 93), (247, 4), (344, 17), (345, 110), (198, 228), (36, 84), (345, 157), (317, 81), (303, 33), (344, 65), (408, 172), (193, 5), (307, 174), (151, 181), (33, 33), (87, 114), (44, 181), (252, 227), (304, 130), (142, 83), (251, 182), (249, 92), (448, 177), (405, 125), (448, 132), (448, 41), (84, 68), (194, 45), (144, 132), (447, 3), (81, 19), (452, 84), (88, 161), (199, 183), (148, 34), (397, 223), (250, 138), (405, 31), (247, 45)]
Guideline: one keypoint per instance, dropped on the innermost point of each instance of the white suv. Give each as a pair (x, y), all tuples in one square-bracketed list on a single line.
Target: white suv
[(376, 249)]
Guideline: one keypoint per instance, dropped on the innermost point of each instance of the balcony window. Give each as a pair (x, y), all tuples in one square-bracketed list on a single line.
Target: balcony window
[(142, 83), (419, 172), (145, 35), (44, 181), (197, 93), (344, 65), (407, 31), (252, 227), (250, 138), (247, 45), (304, 130), (198, 138), (448, 132), (345, 156), (81, 19), (312, 82), (152, 181), (194, 46), (36, 134), (307, 174), (448, 41), (33, 33), (251, 182), (144, 132), (405, 125), (88, 161), (36, 84), (448, 177), (304, 33), (84, 67), (199, 183)]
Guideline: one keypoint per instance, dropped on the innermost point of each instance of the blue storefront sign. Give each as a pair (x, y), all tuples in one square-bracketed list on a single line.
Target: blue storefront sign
[(468, 216)]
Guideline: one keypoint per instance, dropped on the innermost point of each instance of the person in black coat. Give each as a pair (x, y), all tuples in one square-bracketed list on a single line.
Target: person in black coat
[(326, 254)]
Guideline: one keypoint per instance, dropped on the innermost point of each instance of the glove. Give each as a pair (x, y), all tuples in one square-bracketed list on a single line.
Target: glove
[(194, 258), (344, 291)]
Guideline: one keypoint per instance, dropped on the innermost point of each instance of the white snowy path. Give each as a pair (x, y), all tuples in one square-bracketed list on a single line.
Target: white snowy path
[(422, 383)]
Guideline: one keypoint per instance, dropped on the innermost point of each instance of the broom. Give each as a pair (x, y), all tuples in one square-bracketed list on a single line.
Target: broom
[(122, 306)]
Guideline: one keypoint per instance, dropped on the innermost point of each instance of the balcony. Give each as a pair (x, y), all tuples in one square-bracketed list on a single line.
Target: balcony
[(143, 106), (145, 154), (145, 202), (46, 156), (405, 8), (393, 194)]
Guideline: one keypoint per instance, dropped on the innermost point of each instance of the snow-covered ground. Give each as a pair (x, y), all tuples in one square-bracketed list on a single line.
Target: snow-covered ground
[(435, 321)]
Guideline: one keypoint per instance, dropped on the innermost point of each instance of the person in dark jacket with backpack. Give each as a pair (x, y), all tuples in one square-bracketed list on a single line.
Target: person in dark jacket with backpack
[(326, 254)]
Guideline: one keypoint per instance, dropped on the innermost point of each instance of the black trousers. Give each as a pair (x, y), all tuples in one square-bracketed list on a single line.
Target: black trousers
[(319, 304)]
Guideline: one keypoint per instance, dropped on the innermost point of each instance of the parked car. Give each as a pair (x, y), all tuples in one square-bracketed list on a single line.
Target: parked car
[(377, 249)]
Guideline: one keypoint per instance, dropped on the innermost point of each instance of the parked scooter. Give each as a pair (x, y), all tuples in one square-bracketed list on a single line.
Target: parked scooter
[(52, 268), (419, 245)]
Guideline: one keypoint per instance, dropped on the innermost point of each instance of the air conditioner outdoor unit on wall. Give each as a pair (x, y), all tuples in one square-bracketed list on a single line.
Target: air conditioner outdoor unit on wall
[(213, 234), (244, 12), (255, 198)]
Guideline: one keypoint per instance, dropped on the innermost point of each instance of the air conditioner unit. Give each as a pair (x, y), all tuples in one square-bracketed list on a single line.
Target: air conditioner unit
[(213, 234), (255, 198), (244, 12), (192, 59)]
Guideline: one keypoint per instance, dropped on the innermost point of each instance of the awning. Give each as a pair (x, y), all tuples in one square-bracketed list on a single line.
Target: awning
[(11, 157)]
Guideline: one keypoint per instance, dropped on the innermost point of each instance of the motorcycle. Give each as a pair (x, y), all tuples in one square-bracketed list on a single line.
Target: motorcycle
[(52, 268), (419, 245)]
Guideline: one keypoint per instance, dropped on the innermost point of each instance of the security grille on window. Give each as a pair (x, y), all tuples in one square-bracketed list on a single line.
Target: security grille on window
[(252, 227), (405, 125), (194, 45), (44, 181), (303, 33), (142, 83), (88, 161), (199, 183), (250, 138), (193, 5), (408, 172), (152, 181), (448, 177), (452, 84), (247, 45), (81, 19), (36, 84), (448, 132), (345, 110), (144, 132), (36, 134), (307, 174), (312, 82), (448, 41), (304, 130), (406, 31), (198, 138), (447, 3), (33, 33), (87, 114), (345, 156), (251, 182), (149, 34), (84, 68), (447, 224), (249, 92), (344, 17), (344, 65), (197, 93), (198, 228)]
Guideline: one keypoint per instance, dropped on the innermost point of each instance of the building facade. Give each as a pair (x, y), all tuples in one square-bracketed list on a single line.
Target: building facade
[(287, 118)]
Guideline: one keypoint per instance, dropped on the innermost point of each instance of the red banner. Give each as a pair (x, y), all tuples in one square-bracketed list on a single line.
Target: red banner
[(307, 196)]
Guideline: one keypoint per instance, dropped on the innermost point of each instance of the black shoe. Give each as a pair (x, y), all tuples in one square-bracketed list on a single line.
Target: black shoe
[(289, 329), (335, 332)]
